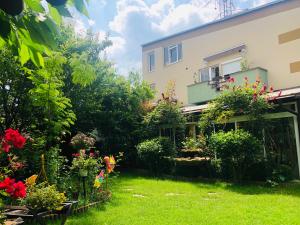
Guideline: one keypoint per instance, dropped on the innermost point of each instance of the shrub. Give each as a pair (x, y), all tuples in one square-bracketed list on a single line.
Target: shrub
[(237, 149), (44, 197), (154, 152), (191, 144), (281, 173)]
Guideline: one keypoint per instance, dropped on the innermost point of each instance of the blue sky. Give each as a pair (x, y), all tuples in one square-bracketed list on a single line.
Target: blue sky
[(131, 23)]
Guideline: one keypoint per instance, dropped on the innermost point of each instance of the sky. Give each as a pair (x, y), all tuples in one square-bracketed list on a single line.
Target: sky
[(131, 23)]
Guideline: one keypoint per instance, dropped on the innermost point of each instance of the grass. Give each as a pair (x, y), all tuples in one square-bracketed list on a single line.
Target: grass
[(148, 201)]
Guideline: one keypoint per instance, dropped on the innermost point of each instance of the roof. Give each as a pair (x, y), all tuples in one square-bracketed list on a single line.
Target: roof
[(234, 16), (286, 93)]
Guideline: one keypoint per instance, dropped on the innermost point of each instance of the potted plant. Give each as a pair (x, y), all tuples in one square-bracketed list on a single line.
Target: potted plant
[(83, 162), (43, 197)]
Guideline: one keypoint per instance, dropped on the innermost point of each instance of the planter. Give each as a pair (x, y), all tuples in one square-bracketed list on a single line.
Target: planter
[(83, 173)]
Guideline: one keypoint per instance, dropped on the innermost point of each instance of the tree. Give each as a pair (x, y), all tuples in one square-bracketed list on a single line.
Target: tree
[(30, 28), (166, 119)]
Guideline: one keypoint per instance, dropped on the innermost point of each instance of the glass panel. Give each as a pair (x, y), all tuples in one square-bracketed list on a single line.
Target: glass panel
[(173, 54), (280, 142), (151, 62), (215, 71), (232, 67), (204, 74)]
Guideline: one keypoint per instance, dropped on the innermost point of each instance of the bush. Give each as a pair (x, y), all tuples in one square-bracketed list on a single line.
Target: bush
[(238, 151), (154, 152), (44, 197), (281, 173)]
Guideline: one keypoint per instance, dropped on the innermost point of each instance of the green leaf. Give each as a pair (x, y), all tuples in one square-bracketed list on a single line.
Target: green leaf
[(2, 42), (35, 5), (36, 58), (63, 11), (80, 6), (4, 27), (24, 54), (54, 14)]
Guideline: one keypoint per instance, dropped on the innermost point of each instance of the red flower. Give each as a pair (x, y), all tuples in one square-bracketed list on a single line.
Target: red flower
[(15, 138), (7, 185), (19, 142), (255, 96), (19, 190), (5, 146), (271, 89), (15, 190), (76, 154), (231, 80)]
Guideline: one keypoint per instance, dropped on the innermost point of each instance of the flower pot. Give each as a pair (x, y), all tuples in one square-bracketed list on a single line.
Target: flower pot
[(83, 173)]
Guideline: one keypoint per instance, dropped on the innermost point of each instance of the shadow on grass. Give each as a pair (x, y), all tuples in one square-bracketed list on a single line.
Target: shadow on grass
[(246, 188)]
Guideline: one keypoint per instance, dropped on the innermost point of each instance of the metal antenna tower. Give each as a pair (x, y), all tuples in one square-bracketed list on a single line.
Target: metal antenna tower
[(225, 7)]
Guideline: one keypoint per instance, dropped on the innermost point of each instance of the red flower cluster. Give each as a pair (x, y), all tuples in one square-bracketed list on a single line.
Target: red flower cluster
[(12, 138), (14, 189)]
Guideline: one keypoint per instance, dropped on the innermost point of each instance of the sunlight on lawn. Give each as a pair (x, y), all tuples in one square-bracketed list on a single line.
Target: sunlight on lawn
[(139, 201)]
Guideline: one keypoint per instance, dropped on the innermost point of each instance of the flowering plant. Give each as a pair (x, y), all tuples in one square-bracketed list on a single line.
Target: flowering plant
[(11, 138), (12, 188), (8, 186), (84, 161), (249, 99), (82, 141)]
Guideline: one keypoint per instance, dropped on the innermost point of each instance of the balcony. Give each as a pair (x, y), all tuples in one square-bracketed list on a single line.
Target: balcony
[(203, 92)]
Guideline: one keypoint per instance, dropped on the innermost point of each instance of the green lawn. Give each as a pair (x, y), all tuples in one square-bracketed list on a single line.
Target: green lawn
[(138, 201)]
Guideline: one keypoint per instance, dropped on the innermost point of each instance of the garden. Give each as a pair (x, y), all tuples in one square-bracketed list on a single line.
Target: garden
[(81, 143)]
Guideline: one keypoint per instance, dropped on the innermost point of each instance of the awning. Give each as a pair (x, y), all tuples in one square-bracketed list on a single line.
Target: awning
[(224, 53)]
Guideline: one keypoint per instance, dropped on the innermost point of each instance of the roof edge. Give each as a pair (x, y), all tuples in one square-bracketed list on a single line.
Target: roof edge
[(234, 16)]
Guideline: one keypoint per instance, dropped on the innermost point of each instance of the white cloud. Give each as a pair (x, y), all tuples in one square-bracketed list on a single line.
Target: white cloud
[(137, 23), (91, 22)]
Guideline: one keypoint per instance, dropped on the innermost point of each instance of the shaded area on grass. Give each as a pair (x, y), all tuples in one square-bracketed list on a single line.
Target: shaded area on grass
[(139, 200)]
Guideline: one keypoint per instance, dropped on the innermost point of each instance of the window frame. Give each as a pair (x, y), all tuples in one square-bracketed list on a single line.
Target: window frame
[(230, 61), (150, 69), (169, 54), (209, 72)]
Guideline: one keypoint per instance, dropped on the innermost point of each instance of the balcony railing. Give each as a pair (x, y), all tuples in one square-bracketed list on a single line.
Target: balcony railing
[(203, 92)]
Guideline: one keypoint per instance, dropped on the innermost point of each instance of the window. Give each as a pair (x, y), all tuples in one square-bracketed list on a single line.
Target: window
[(151, 61), (231, 66), (209, 73), (204, 74), (172, 54), (214, 72)]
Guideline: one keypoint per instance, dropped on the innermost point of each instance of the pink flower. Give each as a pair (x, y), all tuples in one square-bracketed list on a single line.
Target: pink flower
[(231, 80)]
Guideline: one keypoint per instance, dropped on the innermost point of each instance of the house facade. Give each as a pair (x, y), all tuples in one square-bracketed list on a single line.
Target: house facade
[(262, 42)]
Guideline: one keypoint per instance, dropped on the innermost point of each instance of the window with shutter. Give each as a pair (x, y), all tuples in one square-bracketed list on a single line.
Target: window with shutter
[(151, 61), (172, 54), (231, 67)]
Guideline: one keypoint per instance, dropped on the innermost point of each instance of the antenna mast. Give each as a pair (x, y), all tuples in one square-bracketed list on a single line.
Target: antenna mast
[(225, 8)]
